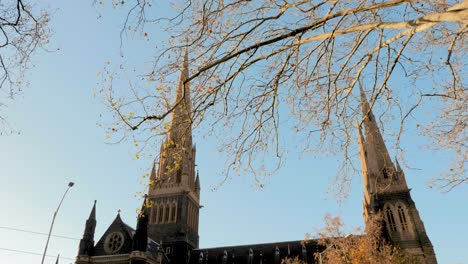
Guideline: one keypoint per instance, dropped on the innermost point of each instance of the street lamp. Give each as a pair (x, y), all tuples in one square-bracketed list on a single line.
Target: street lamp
[(70, 184)]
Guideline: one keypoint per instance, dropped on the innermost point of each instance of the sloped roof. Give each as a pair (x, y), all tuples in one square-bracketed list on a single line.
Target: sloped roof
[(257, 253)]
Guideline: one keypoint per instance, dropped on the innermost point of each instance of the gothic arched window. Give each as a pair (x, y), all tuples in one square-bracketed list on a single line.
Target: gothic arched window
[(402, 216), (160, 214), (174, 210), (391, 220), (169, 212), (188, 215), (166, 215), (154, 212)]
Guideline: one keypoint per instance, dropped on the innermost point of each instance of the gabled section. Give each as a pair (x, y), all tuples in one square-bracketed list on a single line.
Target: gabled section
[(120, 243), (117, 239)]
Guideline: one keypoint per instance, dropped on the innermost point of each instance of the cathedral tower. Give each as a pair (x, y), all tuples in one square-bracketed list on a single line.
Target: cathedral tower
[(174, 189), (386, 191)]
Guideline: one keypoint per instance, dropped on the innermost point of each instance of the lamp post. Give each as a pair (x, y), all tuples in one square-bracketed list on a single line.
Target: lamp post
[(70, 184)]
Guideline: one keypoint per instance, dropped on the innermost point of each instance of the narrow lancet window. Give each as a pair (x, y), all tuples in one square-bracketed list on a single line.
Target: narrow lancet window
[(154, 212), (170, 213), (167, 214), (160, 214), (391, 220), (401, 214), (174, 209)]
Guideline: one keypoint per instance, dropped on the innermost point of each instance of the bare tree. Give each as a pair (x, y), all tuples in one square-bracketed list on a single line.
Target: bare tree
[(22, 31), (261, 69)]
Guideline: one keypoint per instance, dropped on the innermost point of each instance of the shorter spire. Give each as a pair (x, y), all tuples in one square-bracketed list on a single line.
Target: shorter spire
[(86, 247), (140, 238), (153, 173), (197, 182)]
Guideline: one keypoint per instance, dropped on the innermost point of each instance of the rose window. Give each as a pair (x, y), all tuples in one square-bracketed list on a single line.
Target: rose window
[(114, 242)]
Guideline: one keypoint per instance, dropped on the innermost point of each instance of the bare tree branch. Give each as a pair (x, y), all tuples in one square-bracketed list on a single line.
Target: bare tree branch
[(262, 69)]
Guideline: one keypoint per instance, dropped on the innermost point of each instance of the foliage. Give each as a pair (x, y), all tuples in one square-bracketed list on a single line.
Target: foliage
[(360, 249), (265, 69), (22, 30), (295, 260)]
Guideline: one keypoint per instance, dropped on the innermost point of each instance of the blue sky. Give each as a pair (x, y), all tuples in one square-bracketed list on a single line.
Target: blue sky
[(60, 140)]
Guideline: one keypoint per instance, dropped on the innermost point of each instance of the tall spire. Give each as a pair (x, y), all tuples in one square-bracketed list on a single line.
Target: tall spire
[(175, 198), (385, 190), (176, 162), (87, 242), (379, 172), (181, 123)]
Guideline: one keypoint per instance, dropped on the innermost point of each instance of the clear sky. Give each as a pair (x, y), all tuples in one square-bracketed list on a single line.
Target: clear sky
[(59, 141)]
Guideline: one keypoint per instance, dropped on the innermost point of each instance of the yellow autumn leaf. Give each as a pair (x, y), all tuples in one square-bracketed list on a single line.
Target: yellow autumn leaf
[(137, 156), (108, 136)]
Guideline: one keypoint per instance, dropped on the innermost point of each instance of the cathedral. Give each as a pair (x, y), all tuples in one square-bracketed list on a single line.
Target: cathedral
[(167, 227)]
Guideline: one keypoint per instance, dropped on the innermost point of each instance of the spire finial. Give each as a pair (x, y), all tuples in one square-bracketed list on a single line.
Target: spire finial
[(185, 64), (92, 215), (197, 181), (364, 103), (181, 122), (153, 173), (375, 158)]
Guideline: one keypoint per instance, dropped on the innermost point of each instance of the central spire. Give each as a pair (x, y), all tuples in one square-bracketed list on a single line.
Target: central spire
[(174, 192), (181, 122), (177, 153)]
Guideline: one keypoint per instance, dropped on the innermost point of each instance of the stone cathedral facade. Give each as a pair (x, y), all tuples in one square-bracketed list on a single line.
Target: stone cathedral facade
[(167, 229)]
